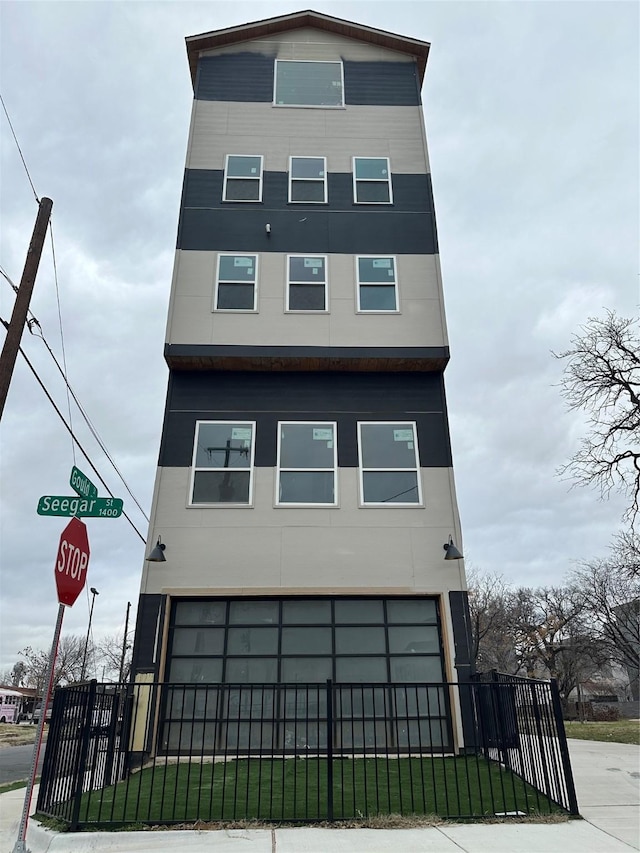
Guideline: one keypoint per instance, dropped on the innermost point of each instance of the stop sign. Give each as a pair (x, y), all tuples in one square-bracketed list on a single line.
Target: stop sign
[(72, 561)]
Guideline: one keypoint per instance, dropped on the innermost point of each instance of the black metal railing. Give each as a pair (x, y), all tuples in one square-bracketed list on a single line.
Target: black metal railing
[(172, 753)]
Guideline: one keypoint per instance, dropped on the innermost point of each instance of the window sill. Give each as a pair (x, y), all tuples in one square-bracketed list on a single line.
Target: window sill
[(310, 106)]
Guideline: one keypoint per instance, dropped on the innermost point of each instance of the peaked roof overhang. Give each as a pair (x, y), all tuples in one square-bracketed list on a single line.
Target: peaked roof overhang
[(308, 18)]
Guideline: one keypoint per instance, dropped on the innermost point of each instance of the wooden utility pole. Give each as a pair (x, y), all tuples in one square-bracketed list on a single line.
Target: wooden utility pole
[(23, 298), (124, 643)]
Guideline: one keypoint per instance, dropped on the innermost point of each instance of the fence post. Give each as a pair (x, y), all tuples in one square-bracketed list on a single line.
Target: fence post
[(82, 759), (329, 750), (564, 748)]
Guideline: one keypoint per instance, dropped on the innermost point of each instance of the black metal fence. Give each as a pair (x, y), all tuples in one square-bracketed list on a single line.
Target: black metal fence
[(171, 753)]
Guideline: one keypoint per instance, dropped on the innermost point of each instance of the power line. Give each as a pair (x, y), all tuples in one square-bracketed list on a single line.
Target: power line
[(68, 428), (19, 150), (33, 322)]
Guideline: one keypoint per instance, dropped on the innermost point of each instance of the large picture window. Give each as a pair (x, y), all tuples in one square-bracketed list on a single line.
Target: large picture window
[(251, 644), (308, 180), (376, 283), (308, 84), (223, 463), (236, 283), (372, 180), (307, 464), (307, 283), (242, 178), (389, 464)]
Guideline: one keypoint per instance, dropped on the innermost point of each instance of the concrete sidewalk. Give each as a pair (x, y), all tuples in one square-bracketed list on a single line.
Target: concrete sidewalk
[(607, 781)]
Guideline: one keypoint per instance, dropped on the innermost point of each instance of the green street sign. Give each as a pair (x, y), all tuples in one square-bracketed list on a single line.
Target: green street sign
[(81, 484), (88, 507)]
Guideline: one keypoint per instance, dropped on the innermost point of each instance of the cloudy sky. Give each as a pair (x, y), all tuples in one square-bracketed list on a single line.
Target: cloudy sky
[(532, 121)]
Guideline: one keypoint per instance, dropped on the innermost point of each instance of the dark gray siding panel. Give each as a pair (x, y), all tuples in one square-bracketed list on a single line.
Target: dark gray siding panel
[(381, 83), (235, 77), (203, 189), (268, 398), (360, 232), (149, 606)]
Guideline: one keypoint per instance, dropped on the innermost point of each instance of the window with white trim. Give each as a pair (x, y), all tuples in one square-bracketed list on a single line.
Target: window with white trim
[(236, 280), (307, 463), (306, 283), (308, 180), (242, 178), (308, 84), (377, 287), (222, 468), (389, 464), (372, 180)]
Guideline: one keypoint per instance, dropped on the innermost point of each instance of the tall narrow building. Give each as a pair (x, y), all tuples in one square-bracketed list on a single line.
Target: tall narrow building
[(305, 485)]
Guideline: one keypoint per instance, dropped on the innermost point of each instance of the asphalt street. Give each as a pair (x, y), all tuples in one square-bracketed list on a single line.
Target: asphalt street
[(15, 763)]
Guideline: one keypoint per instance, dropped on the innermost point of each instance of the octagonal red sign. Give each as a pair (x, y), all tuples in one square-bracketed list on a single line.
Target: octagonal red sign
[(72, 561)]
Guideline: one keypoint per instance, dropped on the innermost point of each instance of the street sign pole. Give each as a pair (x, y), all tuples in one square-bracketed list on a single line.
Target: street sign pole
[(20, 845)]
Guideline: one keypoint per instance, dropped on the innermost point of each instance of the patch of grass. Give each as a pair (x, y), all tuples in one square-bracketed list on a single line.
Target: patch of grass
[(11, 735), (620, 731), (296, 790)]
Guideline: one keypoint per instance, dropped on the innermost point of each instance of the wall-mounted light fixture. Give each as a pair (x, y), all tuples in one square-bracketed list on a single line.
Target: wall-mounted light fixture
[(267, 228), (157, 554), (451, 552)]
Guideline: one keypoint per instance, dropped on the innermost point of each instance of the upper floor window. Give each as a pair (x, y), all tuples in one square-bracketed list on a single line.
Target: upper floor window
[(308, 179), (307, 283), (307, 463), (377, 286), (372, 180), (242, 178), (223, 462), (389, 464), (308, 84), (236, 283)]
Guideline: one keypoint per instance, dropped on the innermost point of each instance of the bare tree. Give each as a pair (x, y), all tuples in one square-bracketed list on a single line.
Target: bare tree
[(109, 654), (493, 644), (68, 667), (611, 589), (602, 378)]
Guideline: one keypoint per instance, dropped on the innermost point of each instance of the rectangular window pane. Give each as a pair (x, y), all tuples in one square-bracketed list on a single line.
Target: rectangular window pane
[(380, 269), (306, 297), (252, 641), (240, 268), (224, 445), (253, 612), (390, 487), (311, 191), (313, 487), (307, 269), (418, 639), (198, 641), (358, 669), (372, 192), (242, 190), (360, 641), (420, 669), (307, 445), (422, 610), (242, 166), (308, 83), (307, 167), (378, 298), (311, 612), (306, 669), (376, 168), (303, 641), (359, 611), (221, 487), (251, 670), (200, 613), (236, 297), (195, 669), (388, 446)]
